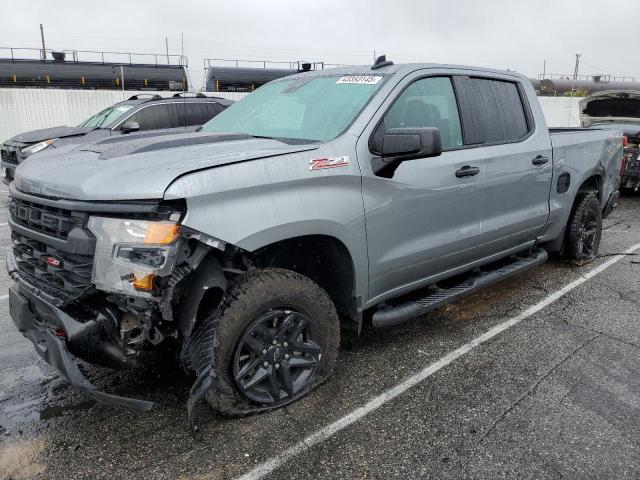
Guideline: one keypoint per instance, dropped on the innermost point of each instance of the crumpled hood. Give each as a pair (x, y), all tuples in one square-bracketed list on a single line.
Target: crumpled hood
[(140, 169), (48, 133)]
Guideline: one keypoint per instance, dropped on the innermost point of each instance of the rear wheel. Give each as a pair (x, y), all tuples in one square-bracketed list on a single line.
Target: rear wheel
[(584, 229), (278, 336)]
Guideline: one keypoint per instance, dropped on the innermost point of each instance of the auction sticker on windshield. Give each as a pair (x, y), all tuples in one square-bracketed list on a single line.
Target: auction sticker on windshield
[(360, 79)]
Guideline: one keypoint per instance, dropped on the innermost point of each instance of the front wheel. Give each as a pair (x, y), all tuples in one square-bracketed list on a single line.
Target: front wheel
[(584, 229), (278, 336)]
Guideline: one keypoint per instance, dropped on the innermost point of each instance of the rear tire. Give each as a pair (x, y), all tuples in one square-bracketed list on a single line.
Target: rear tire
[(584, 229), (277, 312)]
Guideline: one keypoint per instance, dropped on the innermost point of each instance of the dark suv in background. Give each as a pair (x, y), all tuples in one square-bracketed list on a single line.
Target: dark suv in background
[(140, 113)]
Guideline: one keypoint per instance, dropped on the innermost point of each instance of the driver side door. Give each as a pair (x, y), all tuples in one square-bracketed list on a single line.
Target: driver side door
[(426, 219)]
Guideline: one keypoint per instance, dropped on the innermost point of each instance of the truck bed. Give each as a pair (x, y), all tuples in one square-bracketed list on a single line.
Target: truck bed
[(589, 141), (581, 153)]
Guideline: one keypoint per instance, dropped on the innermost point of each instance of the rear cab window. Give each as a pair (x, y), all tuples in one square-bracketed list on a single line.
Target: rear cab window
[(493, 111)]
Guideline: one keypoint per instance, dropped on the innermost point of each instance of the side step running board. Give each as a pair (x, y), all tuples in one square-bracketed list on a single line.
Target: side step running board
[(388, 315)]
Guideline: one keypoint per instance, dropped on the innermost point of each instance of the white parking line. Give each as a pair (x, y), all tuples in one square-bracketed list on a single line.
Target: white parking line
[(3, 224), (3, 297), (324, 433), (622, 231)]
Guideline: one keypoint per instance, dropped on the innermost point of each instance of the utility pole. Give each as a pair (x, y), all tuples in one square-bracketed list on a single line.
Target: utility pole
[(374, 56), (182, 62), (544, 69), (575, 70), (166, 41), (44, 50)]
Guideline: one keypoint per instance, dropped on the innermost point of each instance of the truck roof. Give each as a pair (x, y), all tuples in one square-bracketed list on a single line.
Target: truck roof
[(402, 68)]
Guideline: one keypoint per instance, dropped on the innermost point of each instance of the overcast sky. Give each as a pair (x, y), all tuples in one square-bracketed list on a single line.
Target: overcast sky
[(513, 34)]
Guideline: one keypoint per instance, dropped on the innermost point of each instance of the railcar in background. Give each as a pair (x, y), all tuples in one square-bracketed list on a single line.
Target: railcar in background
[(66, 70)]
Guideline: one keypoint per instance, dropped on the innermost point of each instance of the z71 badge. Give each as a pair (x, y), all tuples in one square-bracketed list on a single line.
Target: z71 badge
[(329, 162)]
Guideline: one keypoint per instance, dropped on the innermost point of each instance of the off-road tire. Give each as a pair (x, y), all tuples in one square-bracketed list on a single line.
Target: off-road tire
[(585, 213), (249, 296)]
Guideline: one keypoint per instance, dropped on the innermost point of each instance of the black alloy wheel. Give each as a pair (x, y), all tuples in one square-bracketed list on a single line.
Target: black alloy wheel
[(584, 229), (276, 357), (587, 234)]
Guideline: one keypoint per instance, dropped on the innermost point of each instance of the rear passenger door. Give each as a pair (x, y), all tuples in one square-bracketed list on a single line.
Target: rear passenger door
[(517, 164)]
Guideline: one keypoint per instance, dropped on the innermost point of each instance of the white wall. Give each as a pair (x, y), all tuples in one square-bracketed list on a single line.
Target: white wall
[(561, 111), (25, 109)]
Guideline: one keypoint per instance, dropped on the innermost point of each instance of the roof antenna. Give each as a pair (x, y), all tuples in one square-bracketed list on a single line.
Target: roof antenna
[(380, 62)]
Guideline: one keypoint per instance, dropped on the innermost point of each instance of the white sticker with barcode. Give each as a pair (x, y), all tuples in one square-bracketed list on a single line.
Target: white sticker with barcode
[(360, 79)]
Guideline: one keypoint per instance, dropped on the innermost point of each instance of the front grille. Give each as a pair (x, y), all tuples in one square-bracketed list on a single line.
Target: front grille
[(9, 155), (51, 221), (61, 275), (52, 248)]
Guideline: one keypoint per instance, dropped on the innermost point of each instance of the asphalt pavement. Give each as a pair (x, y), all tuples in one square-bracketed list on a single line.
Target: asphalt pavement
[(537, 377)]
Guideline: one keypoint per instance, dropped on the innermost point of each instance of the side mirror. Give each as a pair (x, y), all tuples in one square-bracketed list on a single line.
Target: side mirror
[(130, 126), (396, 145)]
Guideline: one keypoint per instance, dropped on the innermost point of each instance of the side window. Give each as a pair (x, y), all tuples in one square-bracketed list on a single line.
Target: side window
[(173, 116), (499, 109), (181, 109), (156, 117), (197, 114), (213, 109), (428, 102)]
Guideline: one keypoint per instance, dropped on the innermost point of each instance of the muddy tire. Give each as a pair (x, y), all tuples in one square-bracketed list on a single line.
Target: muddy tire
[(277, 340), (584, 229)]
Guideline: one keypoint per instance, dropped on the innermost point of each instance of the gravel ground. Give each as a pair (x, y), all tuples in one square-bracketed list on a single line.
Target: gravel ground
[(557, 395)]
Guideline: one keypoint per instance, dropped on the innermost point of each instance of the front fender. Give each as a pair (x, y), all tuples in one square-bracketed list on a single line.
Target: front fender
[(255, 204)]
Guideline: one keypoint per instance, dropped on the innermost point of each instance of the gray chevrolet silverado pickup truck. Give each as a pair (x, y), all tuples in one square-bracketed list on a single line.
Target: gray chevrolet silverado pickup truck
[(319, 200)]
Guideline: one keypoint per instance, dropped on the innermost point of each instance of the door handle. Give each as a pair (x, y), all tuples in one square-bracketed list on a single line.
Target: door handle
[(540, 160), (467, 171)]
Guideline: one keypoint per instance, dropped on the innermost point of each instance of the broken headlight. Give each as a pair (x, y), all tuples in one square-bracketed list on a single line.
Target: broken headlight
[(37, 147), (131, 254)]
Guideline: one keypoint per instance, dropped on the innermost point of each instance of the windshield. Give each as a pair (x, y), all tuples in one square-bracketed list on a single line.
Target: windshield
[(307, 108), (106, 116)]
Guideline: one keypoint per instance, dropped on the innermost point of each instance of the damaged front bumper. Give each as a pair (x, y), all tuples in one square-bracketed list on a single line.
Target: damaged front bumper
[(50, 330), (95, 325)]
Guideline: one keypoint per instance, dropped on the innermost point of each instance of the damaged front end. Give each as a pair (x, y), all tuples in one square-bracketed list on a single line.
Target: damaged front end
[(108, 283), (617, 110), (630, 172)]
